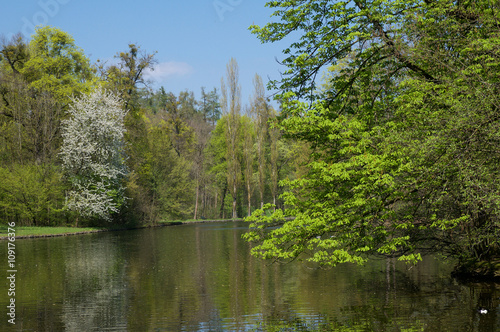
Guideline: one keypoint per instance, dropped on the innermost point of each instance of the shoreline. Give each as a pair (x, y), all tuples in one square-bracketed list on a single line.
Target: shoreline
[(161, 224)]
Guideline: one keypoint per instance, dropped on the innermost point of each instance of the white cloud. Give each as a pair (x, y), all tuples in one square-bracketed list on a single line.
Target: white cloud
[(165, 70)]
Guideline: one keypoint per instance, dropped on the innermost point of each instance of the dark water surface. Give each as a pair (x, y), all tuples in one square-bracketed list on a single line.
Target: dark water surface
[(201, 278)]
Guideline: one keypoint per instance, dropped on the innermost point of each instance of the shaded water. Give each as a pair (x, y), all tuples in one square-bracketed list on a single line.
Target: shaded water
[(201, 278)]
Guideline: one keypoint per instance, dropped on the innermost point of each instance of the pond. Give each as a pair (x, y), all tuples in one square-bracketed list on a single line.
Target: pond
[(201, 277)]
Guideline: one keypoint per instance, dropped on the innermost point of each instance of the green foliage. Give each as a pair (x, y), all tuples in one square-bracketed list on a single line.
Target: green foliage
[(30, 123), (32, 195), (248, 157), (231, 108), (181, 157), (168, 174), (402, 134), (210, 105), (177, 113), (57, 65)]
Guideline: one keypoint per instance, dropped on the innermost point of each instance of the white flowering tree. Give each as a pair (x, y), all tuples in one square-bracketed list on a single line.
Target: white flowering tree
[(93, 155)]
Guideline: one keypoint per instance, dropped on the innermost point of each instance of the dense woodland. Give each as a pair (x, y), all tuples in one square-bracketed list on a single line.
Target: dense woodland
[(93, 144)]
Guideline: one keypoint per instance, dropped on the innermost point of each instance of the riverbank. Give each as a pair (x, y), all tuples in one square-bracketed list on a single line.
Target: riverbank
[(26, 232)]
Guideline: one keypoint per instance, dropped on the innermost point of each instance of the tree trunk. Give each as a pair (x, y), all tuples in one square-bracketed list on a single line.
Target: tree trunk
[(249, 194), (196, 202), (234, 201), (222, 202)]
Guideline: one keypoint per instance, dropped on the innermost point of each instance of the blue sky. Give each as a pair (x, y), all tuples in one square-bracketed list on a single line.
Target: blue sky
[(194, 39)]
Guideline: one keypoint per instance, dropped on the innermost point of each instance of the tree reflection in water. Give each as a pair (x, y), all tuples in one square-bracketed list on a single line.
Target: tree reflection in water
[(202, 278)]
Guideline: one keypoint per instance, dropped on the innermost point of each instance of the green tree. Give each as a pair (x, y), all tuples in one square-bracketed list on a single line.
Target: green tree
[(216, 154), (201, 129), (32, 188), (37, 81), (32, 194), (262, 115), (401, 134), (168, 177), (248, 134), (231, 107), (274, 153), (210, 105), (57, 65), (126, 80), (177, 114), (30, 121)]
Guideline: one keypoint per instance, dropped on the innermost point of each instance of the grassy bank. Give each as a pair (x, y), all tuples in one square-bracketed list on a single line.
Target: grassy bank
[(24, 231)]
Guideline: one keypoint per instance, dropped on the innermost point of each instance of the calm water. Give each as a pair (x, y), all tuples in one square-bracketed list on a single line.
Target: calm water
[(202, 278)]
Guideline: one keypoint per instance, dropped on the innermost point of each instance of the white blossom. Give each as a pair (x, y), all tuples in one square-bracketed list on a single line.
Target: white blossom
[(93, 154)]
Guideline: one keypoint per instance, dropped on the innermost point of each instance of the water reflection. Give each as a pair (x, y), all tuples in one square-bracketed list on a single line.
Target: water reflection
[(95, 286), (202, 278)]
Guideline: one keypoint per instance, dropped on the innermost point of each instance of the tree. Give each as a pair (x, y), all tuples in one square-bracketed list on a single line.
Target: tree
[(202, 131), (401, 135), (210, 105), (274, 135), (57, 65), (177, 113), (231, 106), (93, 155), (126, 77), (187, 104), (248, 156), (261, 110), (168, 177), (216, 154), (14, 52), (31, 194), (31, 122), (37, 81)]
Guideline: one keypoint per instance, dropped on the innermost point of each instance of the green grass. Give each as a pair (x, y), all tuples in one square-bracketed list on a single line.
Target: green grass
[(40, 231)]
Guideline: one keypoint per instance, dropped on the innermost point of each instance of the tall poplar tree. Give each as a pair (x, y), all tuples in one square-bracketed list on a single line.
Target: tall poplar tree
[(248, 155), (274, 135), (231, 107), (261, 111)]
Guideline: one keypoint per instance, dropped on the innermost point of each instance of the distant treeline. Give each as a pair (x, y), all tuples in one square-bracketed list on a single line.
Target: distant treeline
[(70, 156)]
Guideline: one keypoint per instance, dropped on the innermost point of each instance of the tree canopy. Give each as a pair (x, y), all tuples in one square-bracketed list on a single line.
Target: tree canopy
[(56, 64), (404, 132)]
